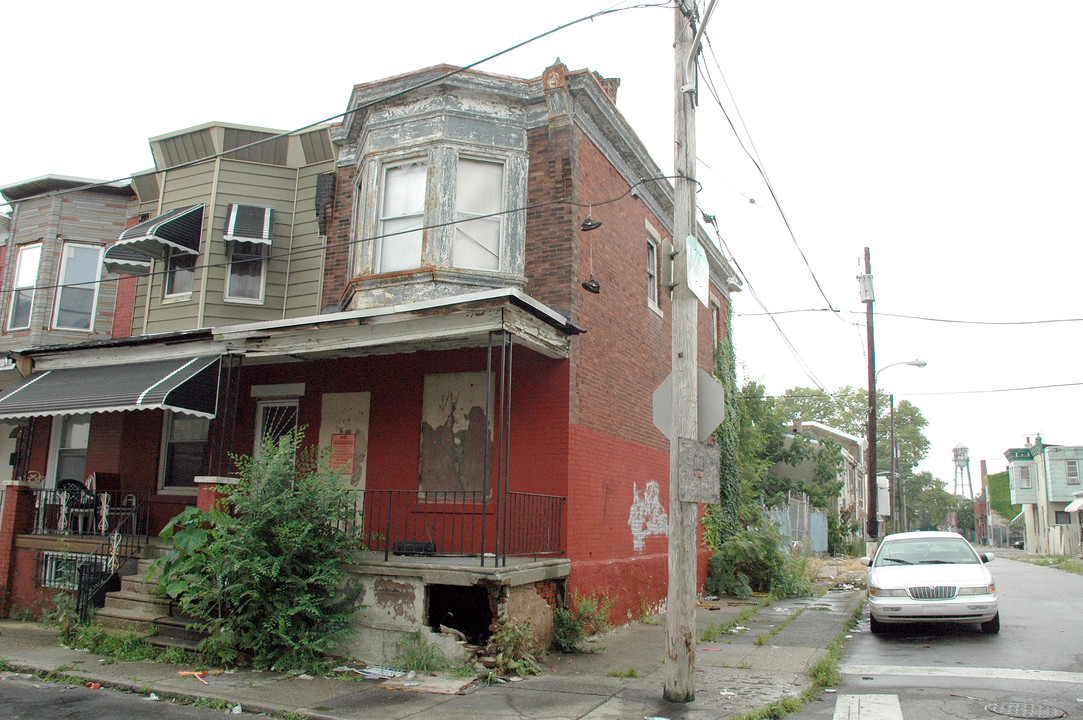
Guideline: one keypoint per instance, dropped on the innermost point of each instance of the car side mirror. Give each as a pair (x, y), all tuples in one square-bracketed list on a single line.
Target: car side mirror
[(866, 561), (988, 557)]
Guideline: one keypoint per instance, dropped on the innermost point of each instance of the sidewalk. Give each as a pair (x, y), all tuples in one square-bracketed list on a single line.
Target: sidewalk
[(733, 675)]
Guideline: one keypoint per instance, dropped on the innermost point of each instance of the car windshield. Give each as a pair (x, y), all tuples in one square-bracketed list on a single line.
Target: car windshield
[(926, 551)]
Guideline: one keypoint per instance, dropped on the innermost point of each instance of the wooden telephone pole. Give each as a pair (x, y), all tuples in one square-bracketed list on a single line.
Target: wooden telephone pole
[(679, 684)]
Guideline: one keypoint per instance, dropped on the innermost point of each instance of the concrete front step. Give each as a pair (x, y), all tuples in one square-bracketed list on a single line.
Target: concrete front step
[(140, 604)]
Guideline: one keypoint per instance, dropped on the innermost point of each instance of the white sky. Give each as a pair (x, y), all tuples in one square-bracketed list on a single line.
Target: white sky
[(942, 135)]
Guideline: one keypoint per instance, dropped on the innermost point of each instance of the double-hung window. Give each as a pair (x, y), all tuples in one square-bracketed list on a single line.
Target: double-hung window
[(402, 214), (1024, 477), (275, 419), (249, 231), (184, 450), (77, 294), (652, 272), (72, 441), (1071, 471), (479, 200), (22, 294), (179, 272)]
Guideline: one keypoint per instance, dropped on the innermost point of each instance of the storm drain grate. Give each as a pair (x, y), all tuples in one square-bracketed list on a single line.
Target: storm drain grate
[(1026, 710)]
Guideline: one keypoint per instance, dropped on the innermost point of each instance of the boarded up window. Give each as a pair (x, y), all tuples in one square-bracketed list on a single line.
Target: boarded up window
[(454, 430)]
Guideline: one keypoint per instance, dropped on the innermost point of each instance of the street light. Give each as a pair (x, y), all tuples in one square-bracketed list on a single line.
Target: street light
[(896, 493)]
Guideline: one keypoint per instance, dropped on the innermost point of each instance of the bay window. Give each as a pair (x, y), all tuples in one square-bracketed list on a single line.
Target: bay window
[(479, 198), (402, 214)]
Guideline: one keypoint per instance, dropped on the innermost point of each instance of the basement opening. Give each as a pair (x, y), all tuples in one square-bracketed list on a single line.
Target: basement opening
[(463, 608)]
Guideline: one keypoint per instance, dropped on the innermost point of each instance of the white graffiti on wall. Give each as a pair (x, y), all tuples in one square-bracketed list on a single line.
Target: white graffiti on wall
[(647, 516)]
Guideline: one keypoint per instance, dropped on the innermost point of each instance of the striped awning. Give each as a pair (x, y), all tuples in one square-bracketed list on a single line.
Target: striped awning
[(186, 385), (179, 229)]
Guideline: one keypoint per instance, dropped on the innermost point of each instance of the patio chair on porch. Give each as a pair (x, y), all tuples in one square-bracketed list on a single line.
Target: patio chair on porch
[(80, 504)]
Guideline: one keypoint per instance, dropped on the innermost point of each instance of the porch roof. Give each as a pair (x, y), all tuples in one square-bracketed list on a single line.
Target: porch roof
[(186, 385)]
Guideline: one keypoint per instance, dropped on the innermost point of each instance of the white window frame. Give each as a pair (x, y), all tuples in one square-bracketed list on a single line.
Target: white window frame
[(62, 284), (171, 273), (60, 423), (19, 282), (260, 249), (163, 464), (261, 406), (466, 217), (652, 272), (1025, 482), (1071, 472), (379, 260), (654, 241)]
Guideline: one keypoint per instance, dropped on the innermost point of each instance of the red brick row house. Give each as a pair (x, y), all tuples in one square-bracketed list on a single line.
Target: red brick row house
[(425, 288)]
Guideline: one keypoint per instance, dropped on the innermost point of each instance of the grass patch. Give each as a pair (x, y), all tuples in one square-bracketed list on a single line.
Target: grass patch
[(630, 672), (1060, 562), (775, 710), (716, 631), (762, 639)]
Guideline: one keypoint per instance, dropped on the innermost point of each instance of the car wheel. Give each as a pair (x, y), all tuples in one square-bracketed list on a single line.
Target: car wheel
[(991, 627), (877, 627)]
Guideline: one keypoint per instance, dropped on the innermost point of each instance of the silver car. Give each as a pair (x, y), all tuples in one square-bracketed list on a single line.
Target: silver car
[(930, 577)]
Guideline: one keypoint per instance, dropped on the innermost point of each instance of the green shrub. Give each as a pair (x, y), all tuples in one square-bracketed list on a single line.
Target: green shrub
[(587, 616), (754, 559), (515, 647), (265, 575)]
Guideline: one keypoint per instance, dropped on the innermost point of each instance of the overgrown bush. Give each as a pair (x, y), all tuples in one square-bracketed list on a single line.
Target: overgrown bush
[(265, 574), (585, 616), (754, 559), (515, 649)]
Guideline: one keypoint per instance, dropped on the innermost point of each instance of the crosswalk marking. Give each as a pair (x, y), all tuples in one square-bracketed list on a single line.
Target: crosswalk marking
[(994, 673), (868, 707)]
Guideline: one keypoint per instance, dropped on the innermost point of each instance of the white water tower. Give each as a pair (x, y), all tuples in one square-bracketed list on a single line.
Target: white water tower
[(962, 463)]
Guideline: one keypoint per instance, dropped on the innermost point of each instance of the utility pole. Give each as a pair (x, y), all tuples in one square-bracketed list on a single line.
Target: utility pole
[(679, 683), (872, 526)]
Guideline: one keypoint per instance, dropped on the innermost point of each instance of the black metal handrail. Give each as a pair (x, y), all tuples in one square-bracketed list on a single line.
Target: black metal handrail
[(459, 523)]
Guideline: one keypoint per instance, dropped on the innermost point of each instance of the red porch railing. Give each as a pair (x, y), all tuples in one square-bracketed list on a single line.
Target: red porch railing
[(460, 523)]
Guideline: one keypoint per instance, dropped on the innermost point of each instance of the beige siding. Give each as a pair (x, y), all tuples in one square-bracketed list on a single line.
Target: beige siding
[(306, 264)]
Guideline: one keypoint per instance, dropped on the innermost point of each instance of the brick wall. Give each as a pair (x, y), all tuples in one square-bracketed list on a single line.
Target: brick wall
[(337, 271)]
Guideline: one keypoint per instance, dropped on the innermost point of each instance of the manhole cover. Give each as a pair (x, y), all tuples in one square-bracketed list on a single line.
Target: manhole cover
[(1026, 710)]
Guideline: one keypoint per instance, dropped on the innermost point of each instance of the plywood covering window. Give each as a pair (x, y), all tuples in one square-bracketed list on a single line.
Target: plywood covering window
[(402, 212), (77, 294), (454, 432), (22, 293)]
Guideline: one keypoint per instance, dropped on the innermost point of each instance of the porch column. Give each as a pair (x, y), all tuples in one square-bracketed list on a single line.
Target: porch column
[(17, 517), (211, 490)]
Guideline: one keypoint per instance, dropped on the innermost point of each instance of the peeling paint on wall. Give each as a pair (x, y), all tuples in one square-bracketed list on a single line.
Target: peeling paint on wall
[(397, 598), (454, 431), (647, 516)]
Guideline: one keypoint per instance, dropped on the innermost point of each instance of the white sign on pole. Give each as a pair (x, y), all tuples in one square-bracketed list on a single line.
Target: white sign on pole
[(699, 272)]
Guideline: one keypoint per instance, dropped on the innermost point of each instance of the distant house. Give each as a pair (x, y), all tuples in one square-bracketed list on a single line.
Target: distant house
[(1045, 479), (851, 501), (458, 292)]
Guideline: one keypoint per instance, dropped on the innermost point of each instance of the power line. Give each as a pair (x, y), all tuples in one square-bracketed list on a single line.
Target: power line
[(919, 317), (763, 174), (805, 367), (302, 252), (357, 109)]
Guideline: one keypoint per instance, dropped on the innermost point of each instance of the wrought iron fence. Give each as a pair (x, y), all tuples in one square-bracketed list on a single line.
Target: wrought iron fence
[(66, 512), (459, 523)]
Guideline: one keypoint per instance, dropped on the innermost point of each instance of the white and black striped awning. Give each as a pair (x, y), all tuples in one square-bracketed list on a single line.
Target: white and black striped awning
[(186, 385)]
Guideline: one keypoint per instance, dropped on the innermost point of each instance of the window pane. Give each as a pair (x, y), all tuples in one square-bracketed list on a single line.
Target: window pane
[(479, 190), (245, 272), (26, 276), (185, 449), (403, 210), (652, 272), (276, 421), (179, 274), (400, 251), (71, 455)]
